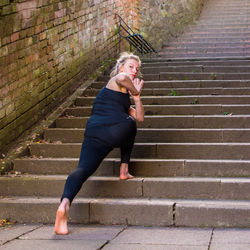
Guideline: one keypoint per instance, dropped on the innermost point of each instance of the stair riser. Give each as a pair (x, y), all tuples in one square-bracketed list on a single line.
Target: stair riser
[(200, 215), (58, 166), (211, 216), (220, 29), (241, 18), (193, 45), (176, 110), (180, 84), (138, 188), (158, 151), (226, 17), (92, 212), (224, 34), (199, 76), (165, 136), (190, 63), (183, 60), (172, 100), (214, 39), (197, 50), (54, 188), (71, 122), (153, 168), (172, 122), (37, 212), (196, 122), (193, 76), (204, 55), (196, 69), (197, 190), (181, 90)]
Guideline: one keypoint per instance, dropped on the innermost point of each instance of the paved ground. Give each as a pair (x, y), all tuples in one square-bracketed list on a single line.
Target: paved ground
[(123, 238)]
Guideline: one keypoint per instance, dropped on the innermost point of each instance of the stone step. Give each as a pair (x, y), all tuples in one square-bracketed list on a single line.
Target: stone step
[(226, 18), (192, 54), (212, 39), (163, 97), (202, 50), (172, 121), (223, 22), (206, 34), (165, 135), (198, 76), (227, 12), (139, 167), (146, 187), (219, 28), (190, 76), (188, 109), (190, 92), (163, 212), (239, 9), (225, 15), (190, 63), (194, 59), (196, 68), (148, 85), (208, 45), (223, 151)]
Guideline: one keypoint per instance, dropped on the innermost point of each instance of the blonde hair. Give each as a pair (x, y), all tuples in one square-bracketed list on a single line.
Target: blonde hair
[(121, 61)]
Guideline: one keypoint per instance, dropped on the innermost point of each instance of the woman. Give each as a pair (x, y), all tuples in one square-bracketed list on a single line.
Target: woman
[(112, 124)]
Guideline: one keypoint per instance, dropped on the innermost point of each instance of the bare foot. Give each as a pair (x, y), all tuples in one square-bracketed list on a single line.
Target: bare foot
[(126, 176), (61, 226)]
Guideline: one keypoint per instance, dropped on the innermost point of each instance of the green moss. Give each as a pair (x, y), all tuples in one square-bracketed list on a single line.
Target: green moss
[(7, 25)]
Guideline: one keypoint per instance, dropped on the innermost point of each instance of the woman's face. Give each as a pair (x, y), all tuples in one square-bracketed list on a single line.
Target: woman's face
[(130, 67)]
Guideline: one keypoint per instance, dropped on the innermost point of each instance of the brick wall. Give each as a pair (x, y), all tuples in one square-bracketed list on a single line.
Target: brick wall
[(164, 19), (46, 48)]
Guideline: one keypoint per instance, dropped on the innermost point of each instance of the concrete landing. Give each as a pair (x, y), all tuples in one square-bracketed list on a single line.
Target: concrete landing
[(88, 237)]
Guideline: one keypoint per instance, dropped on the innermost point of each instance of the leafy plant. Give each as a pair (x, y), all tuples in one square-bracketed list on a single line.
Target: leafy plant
[(213, 76), (227, 113), (173, 93), (196, 101)]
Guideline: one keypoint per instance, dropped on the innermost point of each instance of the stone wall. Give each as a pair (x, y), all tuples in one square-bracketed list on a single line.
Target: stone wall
[(47, 47), (164, 19)]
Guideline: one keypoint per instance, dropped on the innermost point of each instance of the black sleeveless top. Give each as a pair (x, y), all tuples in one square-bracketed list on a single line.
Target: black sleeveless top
[(110, 108)]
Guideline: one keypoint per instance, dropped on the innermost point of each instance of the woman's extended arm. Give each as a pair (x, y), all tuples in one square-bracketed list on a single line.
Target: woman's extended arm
[(138, 112), (125, 81)]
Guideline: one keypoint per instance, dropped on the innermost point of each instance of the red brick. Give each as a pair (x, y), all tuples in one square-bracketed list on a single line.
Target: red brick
[(26, 5), (39, 20), (6, 40), (60, 13), (42, 36)]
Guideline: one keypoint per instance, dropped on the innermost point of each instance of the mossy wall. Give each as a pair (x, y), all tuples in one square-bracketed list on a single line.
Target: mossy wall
[(164, 19), (47, 48)]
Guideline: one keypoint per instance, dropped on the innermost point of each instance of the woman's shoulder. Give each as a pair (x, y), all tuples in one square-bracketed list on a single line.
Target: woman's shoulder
[(113, 85)]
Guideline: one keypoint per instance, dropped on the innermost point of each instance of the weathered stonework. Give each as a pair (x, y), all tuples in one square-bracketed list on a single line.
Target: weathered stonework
[(44, 46), (164, 19)]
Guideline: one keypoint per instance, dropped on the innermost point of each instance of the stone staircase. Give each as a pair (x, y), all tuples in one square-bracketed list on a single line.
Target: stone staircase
[(191, 158), (223, 30)]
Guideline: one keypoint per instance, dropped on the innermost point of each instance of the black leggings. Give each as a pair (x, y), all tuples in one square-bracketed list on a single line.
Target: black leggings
[(95, 150)]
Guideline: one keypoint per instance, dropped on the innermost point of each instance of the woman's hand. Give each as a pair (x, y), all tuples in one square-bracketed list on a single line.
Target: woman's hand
[(138, 84)]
